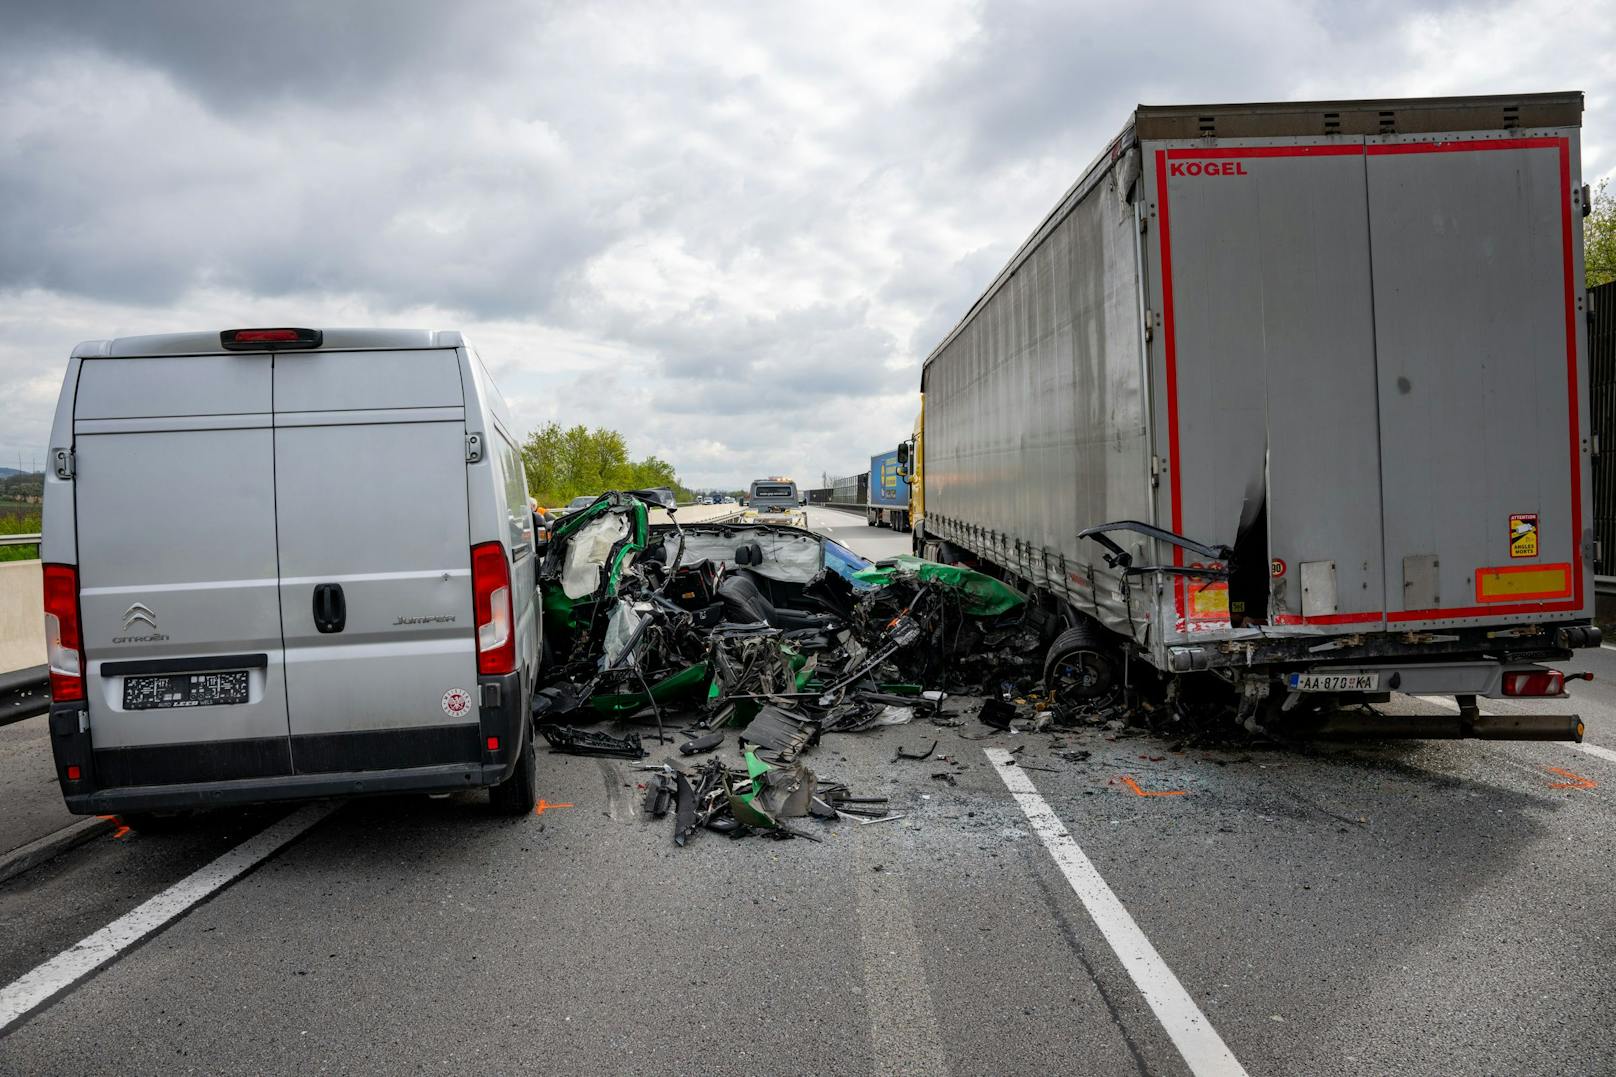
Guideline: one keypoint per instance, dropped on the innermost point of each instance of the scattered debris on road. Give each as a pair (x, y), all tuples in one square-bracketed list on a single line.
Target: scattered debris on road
[(781, 636)]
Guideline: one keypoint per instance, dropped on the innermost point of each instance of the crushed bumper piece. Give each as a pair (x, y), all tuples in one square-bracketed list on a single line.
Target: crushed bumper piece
[(574, 741)]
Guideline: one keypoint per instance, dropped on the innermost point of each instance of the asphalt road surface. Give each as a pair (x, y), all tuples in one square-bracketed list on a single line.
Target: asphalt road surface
[(1432, 908)]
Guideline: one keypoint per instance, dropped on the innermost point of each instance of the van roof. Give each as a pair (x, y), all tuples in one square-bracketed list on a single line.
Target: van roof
[(207, 342)]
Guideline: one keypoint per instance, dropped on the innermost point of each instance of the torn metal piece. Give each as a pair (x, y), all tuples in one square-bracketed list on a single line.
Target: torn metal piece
[(861, 820), (780, 732), (574, 741)]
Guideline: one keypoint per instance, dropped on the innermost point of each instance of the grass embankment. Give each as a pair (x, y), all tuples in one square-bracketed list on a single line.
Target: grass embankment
[(23, 521)]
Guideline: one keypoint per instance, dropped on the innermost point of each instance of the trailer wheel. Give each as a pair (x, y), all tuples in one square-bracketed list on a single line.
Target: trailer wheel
[(1080, 664)]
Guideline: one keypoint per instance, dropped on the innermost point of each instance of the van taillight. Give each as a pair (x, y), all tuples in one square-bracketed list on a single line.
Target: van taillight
[(1539, 682), (491, 603), (64, 646)]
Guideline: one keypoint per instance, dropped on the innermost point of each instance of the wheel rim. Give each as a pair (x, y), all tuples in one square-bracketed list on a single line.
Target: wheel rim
[(1079, 675)]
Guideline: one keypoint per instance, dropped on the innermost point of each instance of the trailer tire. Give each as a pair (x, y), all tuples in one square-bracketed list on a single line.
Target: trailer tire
[(1080, 664)]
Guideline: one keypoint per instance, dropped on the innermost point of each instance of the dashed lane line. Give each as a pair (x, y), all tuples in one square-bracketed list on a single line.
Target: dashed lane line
[(1202, 1048), (73, 964)]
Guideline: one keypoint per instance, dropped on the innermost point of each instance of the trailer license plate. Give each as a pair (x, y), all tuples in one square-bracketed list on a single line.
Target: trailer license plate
[(1335, 682), (184, 690)]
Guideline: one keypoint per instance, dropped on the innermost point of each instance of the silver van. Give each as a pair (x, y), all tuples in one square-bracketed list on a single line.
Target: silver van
[(286, 563)]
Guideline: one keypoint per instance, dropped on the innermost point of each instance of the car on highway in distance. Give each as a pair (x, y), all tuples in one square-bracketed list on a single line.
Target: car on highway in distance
[(287, 563), (579, 502)]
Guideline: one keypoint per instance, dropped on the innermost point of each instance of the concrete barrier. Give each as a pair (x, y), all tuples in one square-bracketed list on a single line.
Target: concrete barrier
[(22, 628)]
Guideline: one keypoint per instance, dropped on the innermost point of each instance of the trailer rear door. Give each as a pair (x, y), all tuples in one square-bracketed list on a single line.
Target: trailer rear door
[(1269, 378), (1476, 321)]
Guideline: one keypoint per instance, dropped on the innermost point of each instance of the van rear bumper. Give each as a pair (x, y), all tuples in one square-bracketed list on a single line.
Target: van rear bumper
[(101, 781), (296, 787)]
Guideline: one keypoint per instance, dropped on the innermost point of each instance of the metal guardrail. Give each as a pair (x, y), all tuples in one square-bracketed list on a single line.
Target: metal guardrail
[(24, 693), (1605, 585), (20, 540)]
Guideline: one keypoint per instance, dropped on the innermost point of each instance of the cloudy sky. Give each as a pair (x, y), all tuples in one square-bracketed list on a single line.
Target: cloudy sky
[(730, 230)]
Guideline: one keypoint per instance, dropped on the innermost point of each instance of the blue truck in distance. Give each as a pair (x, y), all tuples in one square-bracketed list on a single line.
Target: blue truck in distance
[(889, 493)]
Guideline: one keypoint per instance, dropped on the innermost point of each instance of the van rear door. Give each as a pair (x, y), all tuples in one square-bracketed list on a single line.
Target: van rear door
[(175, 502), (376, 603)]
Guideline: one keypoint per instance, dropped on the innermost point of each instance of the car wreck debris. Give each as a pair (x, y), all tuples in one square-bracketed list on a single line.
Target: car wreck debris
[(773, 631), (573, 741)]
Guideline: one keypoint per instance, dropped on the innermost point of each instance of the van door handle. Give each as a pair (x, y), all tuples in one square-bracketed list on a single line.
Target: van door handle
[(330, 607)]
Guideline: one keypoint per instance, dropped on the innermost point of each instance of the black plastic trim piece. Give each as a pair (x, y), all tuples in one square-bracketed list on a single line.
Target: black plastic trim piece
[(296, 787), (386, 749), (207, 664), (175, 764)]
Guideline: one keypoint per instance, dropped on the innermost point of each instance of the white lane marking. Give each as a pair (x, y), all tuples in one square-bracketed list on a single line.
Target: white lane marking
[(1595, 750), (1607, 646), (95, 950), (1203, 1049)]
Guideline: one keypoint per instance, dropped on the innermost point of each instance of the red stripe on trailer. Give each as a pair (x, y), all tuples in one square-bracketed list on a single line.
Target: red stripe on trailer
[(1170, 348), (1222, 153), (1543, 142), (1170, 352)]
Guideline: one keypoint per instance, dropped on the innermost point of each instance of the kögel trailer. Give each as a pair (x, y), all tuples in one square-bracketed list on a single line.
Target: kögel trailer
[(1291, 395), (889, 493)]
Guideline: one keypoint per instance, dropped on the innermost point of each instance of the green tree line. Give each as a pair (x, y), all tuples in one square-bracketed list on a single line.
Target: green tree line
[(567, 462), (1599, 237)]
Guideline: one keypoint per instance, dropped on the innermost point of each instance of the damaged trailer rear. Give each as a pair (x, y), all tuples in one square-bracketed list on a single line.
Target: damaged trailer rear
[(1293, 396)]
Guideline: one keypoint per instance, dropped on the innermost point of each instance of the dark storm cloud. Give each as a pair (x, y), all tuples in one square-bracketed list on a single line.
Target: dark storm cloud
[(246, 56), (710, 218)]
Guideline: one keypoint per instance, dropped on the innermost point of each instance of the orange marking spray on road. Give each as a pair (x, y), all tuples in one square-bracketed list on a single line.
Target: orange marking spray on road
[(1138, 792), (1577, 780), (544, 805)]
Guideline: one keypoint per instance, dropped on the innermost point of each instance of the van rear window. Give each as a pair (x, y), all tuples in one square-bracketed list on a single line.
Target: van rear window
[(773, 490)]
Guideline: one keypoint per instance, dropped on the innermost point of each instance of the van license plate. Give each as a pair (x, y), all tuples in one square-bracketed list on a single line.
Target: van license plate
[(1335, 682), (184, 690)]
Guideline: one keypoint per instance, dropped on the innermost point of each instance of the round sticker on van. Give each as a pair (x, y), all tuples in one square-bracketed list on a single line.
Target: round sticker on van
[(456, 702)]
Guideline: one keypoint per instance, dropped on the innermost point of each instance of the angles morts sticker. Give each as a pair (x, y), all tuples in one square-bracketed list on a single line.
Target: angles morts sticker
[(1523, 534), (456, 702)]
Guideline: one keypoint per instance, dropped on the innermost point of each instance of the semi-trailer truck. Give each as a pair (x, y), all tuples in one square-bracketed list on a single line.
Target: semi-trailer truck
[(889, 493), (1292, 397)]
